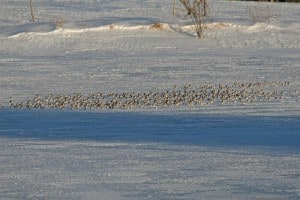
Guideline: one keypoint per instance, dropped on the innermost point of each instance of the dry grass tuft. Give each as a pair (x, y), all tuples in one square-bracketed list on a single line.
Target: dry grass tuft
[(59, 23), (157, 26)]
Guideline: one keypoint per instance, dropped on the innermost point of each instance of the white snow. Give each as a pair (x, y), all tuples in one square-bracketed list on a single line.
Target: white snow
[(234, 151)]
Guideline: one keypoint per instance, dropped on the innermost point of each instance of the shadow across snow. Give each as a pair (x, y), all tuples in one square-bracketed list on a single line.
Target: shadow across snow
[(37, 27), (195, 129), (86, 25)]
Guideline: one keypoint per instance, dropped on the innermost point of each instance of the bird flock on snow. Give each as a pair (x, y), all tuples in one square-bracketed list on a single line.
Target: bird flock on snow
[(186, 95)]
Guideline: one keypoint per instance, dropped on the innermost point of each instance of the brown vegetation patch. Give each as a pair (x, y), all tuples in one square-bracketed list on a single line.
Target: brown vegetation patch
[(157, 26)]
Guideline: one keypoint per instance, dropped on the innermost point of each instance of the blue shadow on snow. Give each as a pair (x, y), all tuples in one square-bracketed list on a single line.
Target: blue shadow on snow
[(195, 129)]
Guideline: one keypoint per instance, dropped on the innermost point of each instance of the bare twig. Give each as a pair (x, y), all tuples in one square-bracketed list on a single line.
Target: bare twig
[(174, 9), (31, 10)]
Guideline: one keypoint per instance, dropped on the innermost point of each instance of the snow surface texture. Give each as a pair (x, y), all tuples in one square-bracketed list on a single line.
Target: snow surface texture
[(113, 155), (231, 151)]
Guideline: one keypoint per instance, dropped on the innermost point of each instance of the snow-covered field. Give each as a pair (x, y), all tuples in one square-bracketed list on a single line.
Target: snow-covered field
[(237, 150), (137, 155)]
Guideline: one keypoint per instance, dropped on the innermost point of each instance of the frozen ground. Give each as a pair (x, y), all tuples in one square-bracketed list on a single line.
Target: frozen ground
[(233, 151)]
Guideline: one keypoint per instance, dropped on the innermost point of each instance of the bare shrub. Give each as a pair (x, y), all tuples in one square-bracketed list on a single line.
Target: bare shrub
[(196, 10), (261, 12)]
